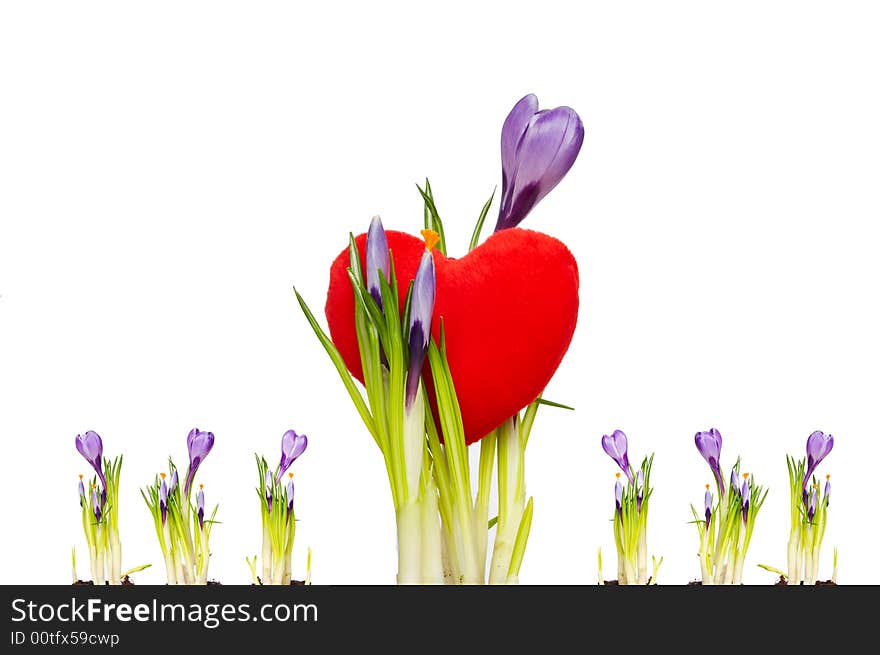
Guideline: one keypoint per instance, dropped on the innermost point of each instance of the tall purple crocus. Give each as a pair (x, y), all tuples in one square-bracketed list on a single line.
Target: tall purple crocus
[(378, 259), (421, 312), (198, 445), (200, 506), (615, 445), (818, 446), (91, 448), (709, 445), (538, 147), (292, 446)]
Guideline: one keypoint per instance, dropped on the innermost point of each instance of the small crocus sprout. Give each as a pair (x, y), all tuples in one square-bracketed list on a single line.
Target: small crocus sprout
[(200, 506), (709, 445), (618, 494), (818, 446), (378, 259), (827, 494), (735, 482), (292, 446), (174, 482), (420, 315), (615, 445), (640, 487), (81, 490), (198, 444), (746, 494), (91, 448), (538, 147), (163, 498), (708, 503)]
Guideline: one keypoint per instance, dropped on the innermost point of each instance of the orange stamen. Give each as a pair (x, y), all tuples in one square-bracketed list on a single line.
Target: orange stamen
[(162, 475), (745, 476), (431, 238), (290, 475), (707, 487), (201, 486), (827, 477), (617, 475), (80, 476)]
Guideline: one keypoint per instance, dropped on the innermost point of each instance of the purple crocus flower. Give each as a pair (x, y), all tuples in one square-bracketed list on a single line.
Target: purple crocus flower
[(734, 480), (174, 482), (198, 445), (709, 445), (615, 445), (618, 495), (267, 482), (640, 486), (421, 311), (707, 500), (378, 259), (82, 491), (292, 446), (538, 147), (200, 506), (818, 446), (91, 448), (746, 494), (827, 494), (163, 499)]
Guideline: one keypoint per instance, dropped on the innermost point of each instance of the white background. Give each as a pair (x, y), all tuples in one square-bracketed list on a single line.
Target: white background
[(169, 171)]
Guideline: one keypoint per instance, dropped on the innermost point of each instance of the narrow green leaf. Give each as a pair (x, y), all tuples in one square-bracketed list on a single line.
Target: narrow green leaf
[(550, 403), (522, 538), (475, 237), (493, 522)]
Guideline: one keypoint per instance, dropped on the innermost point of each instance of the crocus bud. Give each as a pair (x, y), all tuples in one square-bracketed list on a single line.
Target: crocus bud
[(708, 503), (290, 495), (267, 482), (200, 506), (91, 448), (615, 445), (734, 480), (811, 509), (640, 486), (827, 494), (538, 147), (421, 312), (174, 482), (163, 498), (618, 495), (82, 491), (709, 445), (818, 446), (746, 494), (378, 259), (292, 446), (198, 444), (96, 505)]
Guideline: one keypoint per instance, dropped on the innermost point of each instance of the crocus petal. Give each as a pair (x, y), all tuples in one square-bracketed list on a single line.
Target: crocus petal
[(174, 482), (615, 445), (827, 492), (200, 506), (421, 313), (290, 496), (640, 487), (512, 133), (545, 152), (377, 259), (707, 500), (618, 496)]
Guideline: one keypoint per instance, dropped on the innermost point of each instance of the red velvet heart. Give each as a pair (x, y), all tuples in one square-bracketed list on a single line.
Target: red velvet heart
[(509, 310)]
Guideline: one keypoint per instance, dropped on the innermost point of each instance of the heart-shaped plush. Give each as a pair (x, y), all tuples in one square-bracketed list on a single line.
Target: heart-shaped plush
[(509, 310)]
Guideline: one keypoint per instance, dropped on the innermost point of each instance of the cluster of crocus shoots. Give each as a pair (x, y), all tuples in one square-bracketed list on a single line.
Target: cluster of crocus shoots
[(725, 527), (276, 511), (631, 514), (182, 526), (809, 509), (442, 526), (98, 501)]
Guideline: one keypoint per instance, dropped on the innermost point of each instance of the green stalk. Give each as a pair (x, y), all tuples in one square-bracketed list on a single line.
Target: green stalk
[(511, 499)]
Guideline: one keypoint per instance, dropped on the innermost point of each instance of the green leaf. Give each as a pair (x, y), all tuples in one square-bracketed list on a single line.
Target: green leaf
[(550, 403), (522, 538), (435, 223), (493, 522), (475, 237)]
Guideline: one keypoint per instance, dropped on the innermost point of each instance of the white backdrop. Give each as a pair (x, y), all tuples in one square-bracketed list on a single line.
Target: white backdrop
[(169, 171)]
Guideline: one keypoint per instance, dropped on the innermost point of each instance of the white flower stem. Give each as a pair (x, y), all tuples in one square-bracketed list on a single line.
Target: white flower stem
[(409, 560)]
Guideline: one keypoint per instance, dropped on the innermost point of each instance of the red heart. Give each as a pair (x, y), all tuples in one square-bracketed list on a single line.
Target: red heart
[(509, 310)]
